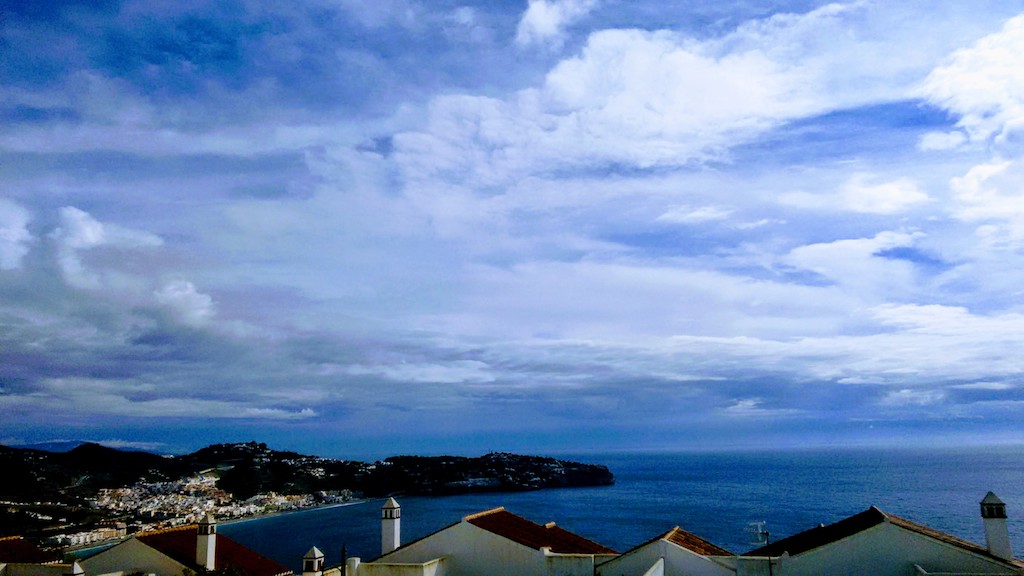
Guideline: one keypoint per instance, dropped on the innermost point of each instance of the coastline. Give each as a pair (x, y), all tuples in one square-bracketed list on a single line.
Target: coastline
[(83, 552), (295, 511)]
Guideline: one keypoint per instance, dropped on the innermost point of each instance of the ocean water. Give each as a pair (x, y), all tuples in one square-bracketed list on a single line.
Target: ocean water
[(714, 495)]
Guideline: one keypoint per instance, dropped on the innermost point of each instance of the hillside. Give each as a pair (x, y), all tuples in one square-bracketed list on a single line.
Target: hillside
[(250, 468)]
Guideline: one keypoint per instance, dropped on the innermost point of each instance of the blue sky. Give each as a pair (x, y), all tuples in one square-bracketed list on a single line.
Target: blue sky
[(352, 228)]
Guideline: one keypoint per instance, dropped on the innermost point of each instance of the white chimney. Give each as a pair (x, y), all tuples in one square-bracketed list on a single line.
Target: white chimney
[(997, 536), (390, 526), (313, 562), (206, 543)]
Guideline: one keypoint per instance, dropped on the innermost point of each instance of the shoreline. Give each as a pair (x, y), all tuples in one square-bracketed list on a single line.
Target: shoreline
[(98, 546), (295, 511)]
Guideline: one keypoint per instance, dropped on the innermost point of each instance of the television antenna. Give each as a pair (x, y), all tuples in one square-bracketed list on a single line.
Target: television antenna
[(758, 533), (761, 537)]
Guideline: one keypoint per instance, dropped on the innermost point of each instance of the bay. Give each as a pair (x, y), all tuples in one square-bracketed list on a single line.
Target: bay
[(714, 495)]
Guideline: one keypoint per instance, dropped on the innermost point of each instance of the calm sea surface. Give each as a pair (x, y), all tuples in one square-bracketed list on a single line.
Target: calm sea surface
[(715, 496)]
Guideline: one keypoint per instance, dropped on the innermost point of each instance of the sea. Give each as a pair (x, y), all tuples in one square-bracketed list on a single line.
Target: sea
[(721, 497)]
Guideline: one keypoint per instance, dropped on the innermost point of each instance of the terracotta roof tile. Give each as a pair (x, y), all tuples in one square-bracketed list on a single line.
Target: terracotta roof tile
[(180, 545), (520, 530), (17, 550), (694, 543)]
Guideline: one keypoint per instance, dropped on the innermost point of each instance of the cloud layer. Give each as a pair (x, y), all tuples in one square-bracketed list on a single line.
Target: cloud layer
[(505, 225)]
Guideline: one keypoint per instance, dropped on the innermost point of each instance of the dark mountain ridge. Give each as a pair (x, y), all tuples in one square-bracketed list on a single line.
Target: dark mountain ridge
[(250, 468)]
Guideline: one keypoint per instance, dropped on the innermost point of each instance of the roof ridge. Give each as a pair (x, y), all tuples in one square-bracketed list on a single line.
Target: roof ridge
[(484, 513), (168, 529)]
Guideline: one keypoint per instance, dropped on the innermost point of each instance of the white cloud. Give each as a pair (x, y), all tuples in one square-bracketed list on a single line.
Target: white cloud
[(993, 192), (862, 194), (115, 398), (909, 397), (79, 232), (690, 215), (455, 372), (14, 235), (994, 386), (983, 84), (941, 140), (853, 264), (189, 305), (544, 21), (752, 408)]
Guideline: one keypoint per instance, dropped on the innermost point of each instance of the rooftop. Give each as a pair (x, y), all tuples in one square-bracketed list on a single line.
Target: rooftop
[(17, 550), (694, 543), (180, 545), (822, 535), (520, 530)]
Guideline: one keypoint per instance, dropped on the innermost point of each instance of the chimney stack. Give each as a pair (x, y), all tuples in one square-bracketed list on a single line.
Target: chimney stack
[(206, 543), (390, 526), (313, 562), (997, 535)]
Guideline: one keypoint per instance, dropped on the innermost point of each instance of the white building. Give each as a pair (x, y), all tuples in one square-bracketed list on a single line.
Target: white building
[(875, 542), (173, 551), (872, 542), (674, 553), (494, 542)]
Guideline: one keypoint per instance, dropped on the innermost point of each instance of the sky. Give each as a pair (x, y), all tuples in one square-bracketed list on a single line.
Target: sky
[(346, 227)]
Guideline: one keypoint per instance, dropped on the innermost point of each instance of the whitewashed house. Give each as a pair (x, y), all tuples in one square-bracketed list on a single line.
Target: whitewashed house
[(674, 553), (174, 551), (494, 542), (878, 543)]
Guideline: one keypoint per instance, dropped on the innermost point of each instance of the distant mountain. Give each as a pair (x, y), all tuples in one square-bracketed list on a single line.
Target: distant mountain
[(250, 468), (66, 476), (55, 446)]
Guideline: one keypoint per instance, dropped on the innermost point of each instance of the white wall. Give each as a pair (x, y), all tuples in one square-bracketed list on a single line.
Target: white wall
[(678, 561), (433, 568), (470, 551), (887, 550)]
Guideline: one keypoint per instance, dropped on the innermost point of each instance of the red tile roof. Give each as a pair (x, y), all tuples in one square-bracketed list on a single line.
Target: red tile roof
[(822, 535), (520, 530), (180, 545), (17, 550), (687, 540), (694, 543)]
